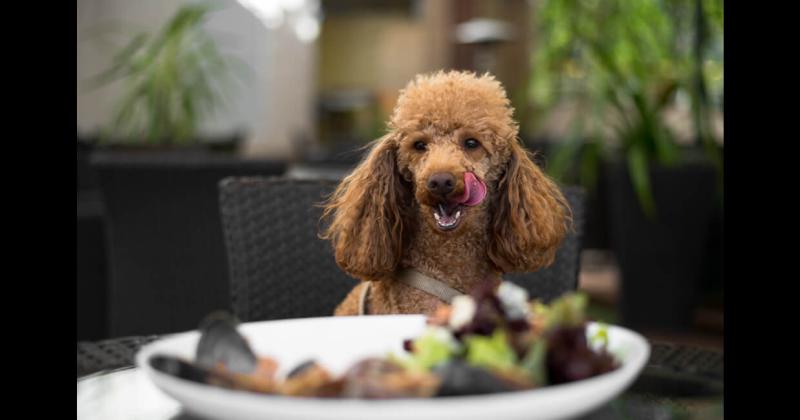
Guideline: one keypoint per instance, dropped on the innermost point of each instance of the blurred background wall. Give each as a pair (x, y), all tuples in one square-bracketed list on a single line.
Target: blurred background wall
[(378, 47)]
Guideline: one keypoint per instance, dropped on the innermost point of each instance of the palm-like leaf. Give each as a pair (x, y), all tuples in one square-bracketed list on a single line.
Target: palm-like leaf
[(173, 79)]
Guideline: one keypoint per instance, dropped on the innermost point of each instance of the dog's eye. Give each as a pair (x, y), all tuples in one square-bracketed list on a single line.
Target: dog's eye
[(471, 144), (420, 145)]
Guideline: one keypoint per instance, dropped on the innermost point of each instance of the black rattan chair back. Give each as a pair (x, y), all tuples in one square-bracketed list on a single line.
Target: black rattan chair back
[(279, 268)]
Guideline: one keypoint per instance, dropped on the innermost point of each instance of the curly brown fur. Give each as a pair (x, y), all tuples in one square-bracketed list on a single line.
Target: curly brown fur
[(368, 211), (381, 216)]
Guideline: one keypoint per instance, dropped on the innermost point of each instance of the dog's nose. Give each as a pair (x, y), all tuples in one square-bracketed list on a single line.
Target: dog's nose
[(441, 183)]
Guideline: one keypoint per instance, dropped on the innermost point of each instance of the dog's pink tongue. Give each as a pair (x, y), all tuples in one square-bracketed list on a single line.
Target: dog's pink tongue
[(474, 190)]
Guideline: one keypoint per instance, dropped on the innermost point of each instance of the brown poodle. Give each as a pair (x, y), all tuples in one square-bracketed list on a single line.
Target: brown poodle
[(448, 192)]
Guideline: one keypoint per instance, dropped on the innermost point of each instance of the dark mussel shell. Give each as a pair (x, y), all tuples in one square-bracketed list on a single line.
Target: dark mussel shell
[(217, 377), (221, 343), (460, 378), (180, 368), (185, 370)]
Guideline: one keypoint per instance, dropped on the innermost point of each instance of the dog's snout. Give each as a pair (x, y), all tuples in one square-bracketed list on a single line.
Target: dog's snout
[(441, 183)]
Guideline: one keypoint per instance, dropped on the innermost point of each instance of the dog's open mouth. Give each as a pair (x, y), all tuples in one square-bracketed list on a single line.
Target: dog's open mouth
[(448, 215)]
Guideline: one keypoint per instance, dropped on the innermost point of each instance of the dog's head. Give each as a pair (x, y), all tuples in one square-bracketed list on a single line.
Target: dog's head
[(451, 160)]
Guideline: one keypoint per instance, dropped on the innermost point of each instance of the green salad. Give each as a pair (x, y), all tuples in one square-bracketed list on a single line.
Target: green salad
[(498, 340)]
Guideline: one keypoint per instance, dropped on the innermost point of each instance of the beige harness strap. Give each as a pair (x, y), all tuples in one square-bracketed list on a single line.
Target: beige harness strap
[(428, 284), (362, 300), (416, 280)]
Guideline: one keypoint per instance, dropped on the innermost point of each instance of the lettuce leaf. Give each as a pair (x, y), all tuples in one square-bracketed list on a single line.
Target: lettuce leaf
[(435, 346), (567, 311), (493, 352), (535, 362)]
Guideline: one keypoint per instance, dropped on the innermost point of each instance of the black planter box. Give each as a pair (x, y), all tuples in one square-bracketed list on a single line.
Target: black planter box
[(664, 262), (167, 261), (91, 277)]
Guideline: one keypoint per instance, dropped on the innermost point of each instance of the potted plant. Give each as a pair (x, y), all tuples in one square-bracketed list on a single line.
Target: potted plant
[(173, 79), (622, 67), (158, 179)]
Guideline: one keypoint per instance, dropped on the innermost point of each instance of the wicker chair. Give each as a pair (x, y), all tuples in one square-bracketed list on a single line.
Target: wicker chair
[(279, 268)]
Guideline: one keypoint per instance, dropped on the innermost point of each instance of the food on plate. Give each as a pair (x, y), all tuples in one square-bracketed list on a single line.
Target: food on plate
[(493, 340), (223, 358)]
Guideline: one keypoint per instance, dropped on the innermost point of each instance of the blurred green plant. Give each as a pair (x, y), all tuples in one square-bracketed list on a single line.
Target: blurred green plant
[(173, 78), (621, 63)]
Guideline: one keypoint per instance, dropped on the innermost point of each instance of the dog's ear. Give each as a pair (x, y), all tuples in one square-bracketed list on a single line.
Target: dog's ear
[(368, 215), (530, 218)]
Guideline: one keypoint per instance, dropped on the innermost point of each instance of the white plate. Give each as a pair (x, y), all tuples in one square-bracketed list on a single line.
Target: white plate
[(339, 342)]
